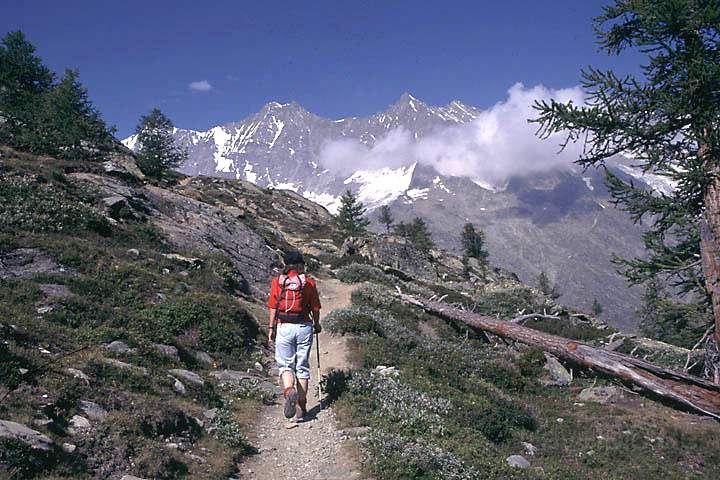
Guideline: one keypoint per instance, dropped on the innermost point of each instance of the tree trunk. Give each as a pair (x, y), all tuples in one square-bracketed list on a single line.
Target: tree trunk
[(709, 248), (692, 392)]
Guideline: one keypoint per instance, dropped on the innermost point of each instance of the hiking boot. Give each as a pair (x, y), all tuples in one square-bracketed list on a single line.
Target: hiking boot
[(300, 411), (291, 399)]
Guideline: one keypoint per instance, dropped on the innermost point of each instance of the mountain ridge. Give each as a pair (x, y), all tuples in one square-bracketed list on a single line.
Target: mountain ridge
[(281, 146)]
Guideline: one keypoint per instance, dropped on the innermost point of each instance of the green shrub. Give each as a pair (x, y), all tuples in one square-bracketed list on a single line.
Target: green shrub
[(568, 328), (507, 303), (357, 273), (159, 463), (352, 321), (228, 431), (28, 205)]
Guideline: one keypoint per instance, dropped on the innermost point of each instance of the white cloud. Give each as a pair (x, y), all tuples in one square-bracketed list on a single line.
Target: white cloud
[(200, 86), (498, 144)]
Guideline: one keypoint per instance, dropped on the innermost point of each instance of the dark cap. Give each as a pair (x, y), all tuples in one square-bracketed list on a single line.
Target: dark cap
[(293, 257)]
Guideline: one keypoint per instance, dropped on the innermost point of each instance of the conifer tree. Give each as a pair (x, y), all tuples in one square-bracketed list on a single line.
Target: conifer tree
[(385, 217), (667, 120), (350, 216), (71, 126), (157, 150), (473, 243), (420, 235), (596, 307), (23, 81), (546, 287)]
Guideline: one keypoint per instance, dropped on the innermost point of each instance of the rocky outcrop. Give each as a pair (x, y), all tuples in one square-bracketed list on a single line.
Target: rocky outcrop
[(28, 436), (27, 262), (196, 226), (396, 253)]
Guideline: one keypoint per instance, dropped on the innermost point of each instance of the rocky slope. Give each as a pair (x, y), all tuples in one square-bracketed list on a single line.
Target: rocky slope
[(131, 343), (560, 222)]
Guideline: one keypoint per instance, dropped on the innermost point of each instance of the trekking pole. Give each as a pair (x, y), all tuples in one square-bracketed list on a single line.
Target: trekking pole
[(317, 350)]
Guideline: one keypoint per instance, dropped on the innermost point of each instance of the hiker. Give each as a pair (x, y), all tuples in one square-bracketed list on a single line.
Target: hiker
[(294, 317)]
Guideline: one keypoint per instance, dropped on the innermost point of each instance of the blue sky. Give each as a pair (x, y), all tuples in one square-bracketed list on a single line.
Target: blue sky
[(336, 58)]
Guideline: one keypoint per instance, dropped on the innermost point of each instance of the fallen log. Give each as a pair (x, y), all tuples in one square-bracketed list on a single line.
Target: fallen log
[(694, 393)]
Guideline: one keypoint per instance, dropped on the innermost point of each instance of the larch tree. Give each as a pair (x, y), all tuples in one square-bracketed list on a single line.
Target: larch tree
[(351, 215), (667, 121), (473, 243), (158, 151), (385, 217)]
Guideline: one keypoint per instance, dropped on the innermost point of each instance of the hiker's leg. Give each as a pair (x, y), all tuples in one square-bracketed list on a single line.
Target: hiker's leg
[(285, 356), (304, 347)]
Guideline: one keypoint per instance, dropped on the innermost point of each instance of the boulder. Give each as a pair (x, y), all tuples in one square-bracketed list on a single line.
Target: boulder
[(517, 461), (399, 254), (558, 373), (118, 346), (28, 436), (203, 357), (178, 385), (78, 424), (28, 262), (78, 374), (187, 375), (231, 375), (530, 449), (92, 410), (602, 395), (125, 366), (167, 350), (189, 261)]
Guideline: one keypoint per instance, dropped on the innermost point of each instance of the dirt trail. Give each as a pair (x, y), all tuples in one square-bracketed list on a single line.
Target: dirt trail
[(314, 449)]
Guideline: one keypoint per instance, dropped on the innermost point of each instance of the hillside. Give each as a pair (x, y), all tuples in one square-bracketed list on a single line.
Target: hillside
[(132, 343), (559, 220)]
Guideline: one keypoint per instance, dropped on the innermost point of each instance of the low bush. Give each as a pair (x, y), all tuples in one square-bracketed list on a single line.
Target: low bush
[(352, 321), (228, 431), (507, 303), (568, 328), (358, 272)]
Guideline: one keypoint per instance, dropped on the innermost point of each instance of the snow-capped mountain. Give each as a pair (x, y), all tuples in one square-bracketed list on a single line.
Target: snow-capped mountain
[(560, 222), (279, 147)]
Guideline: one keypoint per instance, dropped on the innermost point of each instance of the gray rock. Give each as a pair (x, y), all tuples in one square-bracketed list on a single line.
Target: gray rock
[(178, 386), (28, 436), (134, 252), (53, 290), (602, 395), (27, 262), (210, 414), (530, 449), (78, 424), (167, 350), (92, 410), (558, 373), (131, 477), (187, 375), (231, 375), (258, 366), (189, 261), (118, 346), (69, 447), (78, 374), (204, 357), (387, 371), (125, 366), (517, 461), (45, 309)]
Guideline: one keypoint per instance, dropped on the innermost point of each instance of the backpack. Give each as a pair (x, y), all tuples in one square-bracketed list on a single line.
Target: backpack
[(292, 299)]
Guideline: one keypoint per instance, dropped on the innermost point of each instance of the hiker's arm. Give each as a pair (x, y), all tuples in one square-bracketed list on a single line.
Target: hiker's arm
[(316, 321), (271, 325)]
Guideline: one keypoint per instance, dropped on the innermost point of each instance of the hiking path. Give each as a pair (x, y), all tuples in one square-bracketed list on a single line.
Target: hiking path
[(316, 448)]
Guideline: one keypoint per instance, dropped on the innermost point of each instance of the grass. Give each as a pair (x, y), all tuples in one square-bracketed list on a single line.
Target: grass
[(459, 407)]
